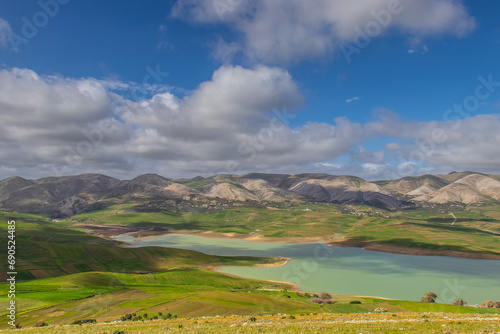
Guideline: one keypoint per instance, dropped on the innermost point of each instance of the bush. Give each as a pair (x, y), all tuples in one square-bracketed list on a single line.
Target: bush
[(86, 321), (253, 319), (429, 297), (287, 296), (322, 301), (355, 302), (459, 302), (40, 324), (496, 305), (292, 317), (128, 316), (325, 295), (487, 304)]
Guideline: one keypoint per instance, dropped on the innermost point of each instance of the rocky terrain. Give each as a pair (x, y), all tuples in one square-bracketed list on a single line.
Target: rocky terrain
[(68, 195)]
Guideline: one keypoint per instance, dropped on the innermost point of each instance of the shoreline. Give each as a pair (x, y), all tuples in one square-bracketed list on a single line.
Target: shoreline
[(109, 232), (376, 247), (386, 248)]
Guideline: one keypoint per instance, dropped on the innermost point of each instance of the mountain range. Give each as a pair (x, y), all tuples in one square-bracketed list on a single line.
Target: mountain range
[(69, 195)]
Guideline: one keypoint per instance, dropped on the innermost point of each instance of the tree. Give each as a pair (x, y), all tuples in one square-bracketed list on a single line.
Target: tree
[(487, 304), (496, 305), (325, 295), (40, 324), (459, 302), (429, 297)]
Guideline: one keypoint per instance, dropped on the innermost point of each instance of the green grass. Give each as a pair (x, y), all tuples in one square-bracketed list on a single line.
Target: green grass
[(187, 293), (45, 249), (324, 323), (419, 228)]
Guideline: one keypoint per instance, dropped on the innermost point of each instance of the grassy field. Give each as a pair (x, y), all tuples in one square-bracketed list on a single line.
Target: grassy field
[(185, 293), (66, 274), (474, 230), (46, 249), (321, 323)]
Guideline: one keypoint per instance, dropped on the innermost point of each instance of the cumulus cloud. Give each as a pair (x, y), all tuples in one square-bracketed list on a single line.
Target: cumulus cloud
[(238, 121), (43, 116), (284, 31), (5, 30)]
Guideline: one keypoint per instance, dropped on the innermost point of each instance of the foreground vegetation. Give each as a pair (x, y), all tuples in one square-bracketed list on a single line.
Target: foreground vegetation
[(109, 297), (67, 275), (321, 323)]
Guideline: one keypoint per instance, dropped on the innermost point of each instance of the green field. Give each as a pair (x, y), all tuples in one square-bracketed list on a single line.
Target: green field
[(426, 229), (183, 292), (46, 249), (66, 273), (321, 323)]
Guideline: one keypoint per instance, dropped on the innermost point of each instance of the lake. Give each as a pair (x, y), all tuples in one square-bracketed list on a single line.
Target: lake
[(318, 268)]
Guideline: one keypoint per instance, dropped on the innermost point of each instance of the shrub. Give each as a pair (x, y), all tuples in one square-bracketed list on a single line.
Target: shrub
[(429, 297), (40, 324), (297, 293), (325, 295), (459, 302), (355, 302), (292, 317), (287, 296), (128, 316), (487, 304), (253, 319), (86, 321), (322, 301), (496, 305)]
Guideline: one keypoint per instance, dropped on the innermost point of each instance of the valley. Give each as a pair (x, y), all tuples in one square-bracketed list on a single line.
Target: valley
[(72, 266)]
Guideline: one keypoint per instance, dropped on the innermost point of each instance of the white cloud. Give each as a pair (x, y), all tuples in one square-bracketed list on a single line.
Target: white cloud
[(235, 119), (5, 30), (356, 98), (423, 50), (286, 31)]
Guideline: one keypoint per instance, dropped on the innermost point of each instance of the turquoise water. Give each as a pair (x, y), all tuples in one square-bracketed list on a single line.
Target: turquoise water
[(318, 268)]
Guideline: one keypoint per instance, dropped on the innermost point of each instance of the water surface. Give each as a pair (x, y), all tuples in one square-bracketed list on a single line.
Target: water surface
[(317, 268)]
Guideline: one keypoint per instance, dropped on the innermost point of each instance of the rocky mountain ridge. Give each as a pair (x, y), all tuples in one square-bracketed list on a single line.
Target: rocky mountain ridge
[(69, 195)]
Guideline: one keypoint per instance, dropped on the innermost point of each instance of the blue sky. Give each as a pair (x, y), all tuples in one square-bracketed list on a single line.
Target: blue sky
[(230, 63)]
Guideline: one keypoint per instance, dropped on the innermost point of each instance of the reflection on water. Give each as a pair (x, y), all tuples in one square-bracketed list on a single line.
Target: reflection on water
[(317, 268)]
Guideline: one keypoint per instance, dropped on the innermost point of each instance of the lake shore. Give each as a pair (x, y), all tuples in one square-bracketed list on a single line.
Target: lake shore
[(142, 234), (385, 248)]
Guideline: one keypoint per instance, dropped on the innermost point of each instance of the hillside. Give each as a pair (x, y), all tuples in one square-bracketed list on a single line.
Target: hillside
[(69, 195)]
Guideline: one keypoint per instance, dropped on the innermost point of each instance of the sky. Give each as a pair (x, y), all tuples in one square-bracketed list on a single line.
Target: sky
[(380, 89)]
